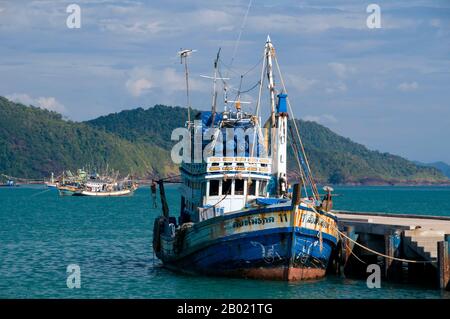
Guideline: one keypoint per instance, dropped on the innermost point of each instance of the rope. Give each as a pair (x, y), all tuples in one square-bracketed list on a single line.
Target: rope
[(44, 191), (383, 255), (309, 175), (369, 249), (236, 45)]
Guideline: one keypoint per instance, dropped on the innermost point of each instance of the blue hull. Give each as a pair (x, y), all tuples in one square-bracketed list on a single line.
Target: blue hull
[(280, 253)]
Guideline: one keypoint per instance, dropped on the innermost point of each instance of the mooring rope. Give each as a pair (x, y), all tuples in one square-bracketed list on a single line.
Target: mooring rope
[(35, 194), (369, 249)]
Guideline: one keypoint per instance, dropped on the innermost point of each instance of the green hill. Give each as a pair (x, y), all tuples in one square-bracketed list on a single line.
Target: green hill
[(336, 159), (35, 142), (441, 166), (333, 158)]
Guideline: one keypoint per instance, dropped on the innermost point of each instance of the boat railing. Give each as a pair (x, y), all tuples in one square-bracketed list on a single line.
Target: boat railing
[(239, 164)]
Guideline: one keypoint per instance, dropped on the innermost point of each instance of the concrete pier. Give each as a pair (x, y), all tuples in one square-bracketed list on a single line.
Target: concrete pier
[(404, 236)]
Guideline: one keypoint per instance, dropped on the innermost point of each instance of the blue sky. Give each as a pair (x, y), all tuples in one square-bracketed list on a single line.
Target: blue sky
[(386, 88)]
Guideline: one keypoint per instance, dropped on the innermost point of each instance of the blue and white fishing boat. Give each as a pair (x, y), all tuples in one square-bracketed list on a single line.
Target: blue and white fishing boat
[(238, 215)]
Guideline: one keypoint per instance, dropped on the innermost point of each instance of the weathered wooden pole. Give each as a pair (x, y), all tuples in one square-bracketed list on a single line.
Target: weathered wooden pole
[(392, 242), (296, 195), (346, 247), (162, 194), (444, 262)]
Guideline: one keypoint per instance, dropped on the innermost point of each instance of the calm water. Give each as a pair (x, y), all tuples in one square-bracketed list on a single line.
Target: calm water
[(110, 239)]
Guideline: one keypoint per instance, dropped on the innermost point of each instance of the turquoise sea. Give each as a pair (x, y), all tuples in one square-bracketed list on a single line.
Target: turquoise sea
[(110, 239)]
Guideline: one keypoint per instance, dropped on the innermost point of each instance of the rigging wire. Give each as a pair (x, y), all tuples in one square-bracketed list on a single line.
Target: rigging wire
[(236, 45), (309, 175)]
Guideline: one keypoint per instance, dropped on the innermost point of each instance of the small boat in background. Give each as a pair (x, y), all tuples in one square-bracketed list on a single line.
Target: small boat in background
[(93, 184), (104, 188), (70, 183), (52, 183), (9, 183)]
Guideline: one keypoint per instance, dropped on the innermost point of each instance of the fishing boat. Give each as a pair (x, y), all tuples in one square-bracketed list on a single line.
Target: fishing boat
[(93, 184), (106, 188), (71, 184), (52, 183), (239, 217), (9, 183)]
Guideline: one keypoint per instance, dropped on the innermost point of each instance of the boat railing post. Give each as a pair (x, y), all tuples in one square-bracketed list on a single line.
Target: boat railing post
[(296, 195), (443, 248)]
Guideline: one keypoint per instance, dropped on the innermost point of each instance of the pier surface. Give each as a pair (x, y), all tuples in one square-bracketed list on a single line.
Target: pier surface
[(414, 237)]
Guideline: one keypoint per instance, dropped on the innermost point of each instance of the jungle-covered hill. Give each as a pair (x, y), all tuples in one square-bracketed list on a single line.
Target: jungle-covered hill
[(333, 158), (35, 142)]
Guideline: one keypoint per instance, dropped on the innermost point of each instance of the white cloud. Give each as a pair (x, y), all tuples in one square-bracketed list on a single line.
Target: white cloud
[(341, 70), (406, 87), (168, 80), (322, 119), (301, 83), (138, 86), (337, 87), (435, 23), (225, 28), (50, 103)]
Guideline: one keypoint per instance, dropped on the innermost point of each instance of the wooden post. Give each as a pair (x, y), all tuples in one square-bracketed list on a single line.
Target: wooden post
[(162, 194), (296, 195), (392, 242), (444, 262), (346, 247)]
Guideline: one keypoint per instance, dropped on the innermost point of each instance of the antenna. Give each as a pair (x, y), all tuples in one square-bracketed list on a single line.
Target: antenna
[(183, 55), (214, 102)]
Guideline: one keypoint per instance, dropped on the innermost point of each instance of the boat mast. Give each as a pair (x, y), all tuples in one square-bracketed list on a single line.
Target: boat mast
[(214, 101), (183, 58), (278, 125), (269, 51)]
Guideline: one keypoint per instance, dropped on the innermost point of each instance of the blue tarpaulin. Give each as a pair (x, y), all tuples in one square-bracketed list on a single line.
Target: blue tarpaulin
[(270, 201), (239, 145)]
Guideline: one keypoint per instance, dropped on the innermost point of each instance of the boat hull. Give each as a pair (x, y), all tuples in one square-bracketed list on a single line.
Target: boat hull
[(67, 190), (285, 247), (105, 194)]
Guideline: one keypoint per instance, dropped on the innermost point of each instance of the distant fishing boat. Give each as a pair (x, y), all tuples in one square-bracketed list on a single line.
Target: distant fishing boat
[(9, 183), (84, 184), (70, 183), (52, 183), (104, 188), (238, 217)]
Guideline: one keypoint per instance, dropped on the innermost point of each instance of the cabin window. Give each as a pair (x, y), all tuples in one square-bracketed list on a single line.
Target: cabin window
[(226, 187), (215, 164), (239, 187), (251, 188), (227, 163), (240, 164), (214, 187), (262, 188)]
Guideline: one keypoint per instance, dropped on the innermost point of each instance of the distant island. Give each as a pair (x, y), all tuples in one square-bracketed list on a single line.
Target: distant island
[(35, 142)]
